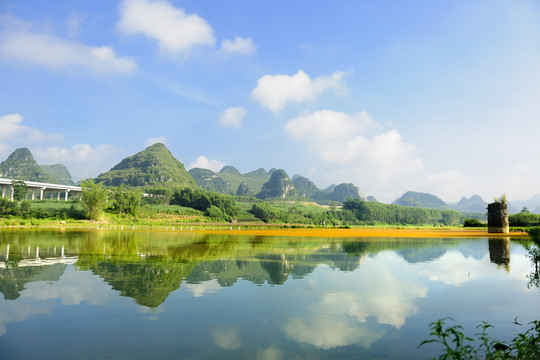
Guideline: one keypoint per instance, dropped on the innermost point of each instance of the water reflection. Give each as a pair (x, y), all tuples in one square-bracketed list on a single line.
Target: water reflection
[(499, 251), (253, 297)]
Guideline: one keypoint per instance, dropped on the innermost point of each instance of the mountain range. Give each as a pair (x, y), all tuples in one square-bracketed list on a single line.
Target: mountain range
[(156, 167)]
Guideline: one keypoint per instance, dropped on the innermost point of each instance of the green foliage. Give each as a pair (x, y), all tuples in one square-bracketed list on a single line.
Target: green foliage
[(214, 212), (155, 166), (200, 199), (94, 198), (126, 201), (19, 190), (157, 196), (25, 206), (265, 212), (501, 199), (468, 222), (373, 213), (8, 207), (279, 186), (524, 219), (457, 346)]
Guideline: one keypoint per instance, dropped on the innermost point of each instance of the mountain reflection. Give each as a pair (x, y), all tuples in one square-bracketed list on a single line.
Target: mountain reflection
[(148, 266)]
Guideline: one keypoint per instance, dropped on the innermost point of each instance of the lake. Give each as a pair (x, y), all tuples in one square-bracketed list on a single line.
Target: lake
[(185, 295)]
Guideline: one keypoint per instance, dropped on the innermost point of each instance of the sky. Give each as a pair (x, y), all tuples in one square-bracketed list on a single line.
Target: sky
[(431, 96)]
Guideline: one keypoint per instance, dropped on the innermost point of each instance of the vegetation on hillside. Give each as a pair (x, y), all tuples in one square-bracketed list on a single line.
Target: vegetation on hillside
[(154, 166), (20, 165), (58, 172)]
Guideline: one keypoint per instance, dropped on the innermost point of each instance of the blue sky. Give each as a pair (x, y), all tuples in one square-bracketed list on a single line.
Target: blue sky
[(432, 96)]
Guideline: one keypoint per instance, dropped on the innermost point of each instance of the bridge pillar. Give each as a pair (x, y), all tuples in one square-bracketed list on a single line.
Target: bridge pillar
[(41, 194), (66, 196), (3, 191), (11, 193), (58, 196), (33, 194)]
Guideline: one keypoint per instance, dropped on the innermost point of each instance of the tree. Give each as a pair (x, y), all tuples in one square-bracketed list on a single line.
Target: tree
[(94, 198), (126, 201), (19, 190)]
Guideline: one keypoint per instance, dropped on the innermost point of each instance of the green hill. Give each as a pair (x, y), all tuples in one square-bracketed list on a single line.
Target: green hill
[(344, 192), (422, 200), (229, 179), (279, 186), (155, 166), (21, 165), (58, 172)]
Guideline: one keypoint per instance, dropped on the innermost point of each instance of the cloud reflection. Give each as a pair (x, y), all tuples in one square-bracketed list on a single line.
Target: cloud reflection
[(384, 288)]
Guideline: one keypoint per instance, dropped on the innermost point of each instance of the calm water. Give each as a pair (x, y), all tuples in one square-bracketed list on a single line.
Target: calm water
[(174, 295)]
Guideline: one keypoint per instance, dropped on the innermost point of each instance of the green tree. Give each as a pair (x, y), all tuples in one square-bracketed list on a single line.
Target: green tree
[(19, 190), (126, 201), (94, 198)]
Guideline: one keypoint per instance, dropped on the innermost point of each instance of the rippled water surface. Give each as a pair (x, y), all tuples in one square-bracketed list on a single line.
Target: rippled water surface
[(178, 295)]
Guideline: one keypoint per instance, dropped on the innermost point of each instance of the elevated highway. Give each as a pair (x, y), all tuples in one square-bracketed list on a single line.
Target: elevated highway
[(33, 187)]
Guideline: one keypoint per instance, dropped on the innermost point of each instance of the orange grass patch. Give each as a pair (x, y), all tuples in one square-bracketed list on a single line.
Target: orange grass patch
[(369, 232)]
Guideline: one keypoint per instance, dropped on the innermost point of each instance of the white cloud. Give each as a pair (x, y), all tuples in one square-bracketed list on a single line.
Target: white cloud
[(204, 163), (174, 30), (74, 24), (82, 160), (154, 140), (233, 116), (239, 45), (54, 52), (13, 135), (274, 91), (353, 149)]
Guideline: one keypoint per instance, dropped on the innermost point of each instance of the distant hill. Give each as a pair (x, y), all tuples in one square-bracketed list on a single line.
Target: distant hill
[(279, 186), (473, 204), (58, 172), (343, 192), (422, 200), (372, 199), (306, 188), (229, 179), (155, 166), (22, 166), (533, 204)]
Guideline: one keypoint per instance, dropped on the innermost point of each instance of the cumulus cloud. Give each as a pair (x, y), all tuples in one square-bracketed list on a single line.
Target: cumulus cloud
[(14, 134), (204, 163), (233, 116), (82, 160), (274, 91), (242, 46), (53, 52), (154, 140), (354, 149), (173, 29)]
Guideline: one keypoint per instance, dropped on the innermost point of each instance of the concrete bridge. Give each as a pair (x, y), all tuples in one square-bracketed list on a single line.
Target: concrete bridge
[(34, 186)]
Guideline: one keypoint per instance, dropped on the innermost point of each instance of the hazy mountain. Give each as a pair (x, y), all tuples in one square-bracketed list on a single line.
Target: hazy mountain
[(372, 199), (21, 165), (279, 186), (473, 204), (533, 204), (418, 199), (154, 166), (343, 192), (306, 188), (228, 180), (243, 190), (58, 172)]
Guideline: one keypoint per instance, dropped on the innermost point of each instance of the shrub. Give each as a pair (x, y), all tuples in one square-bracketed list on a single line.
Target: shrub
[(468, 222)]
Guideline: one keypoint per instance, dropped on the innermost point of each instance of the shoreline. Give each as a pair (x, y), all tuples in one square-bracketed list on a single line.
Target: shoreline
[(278, 230)]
